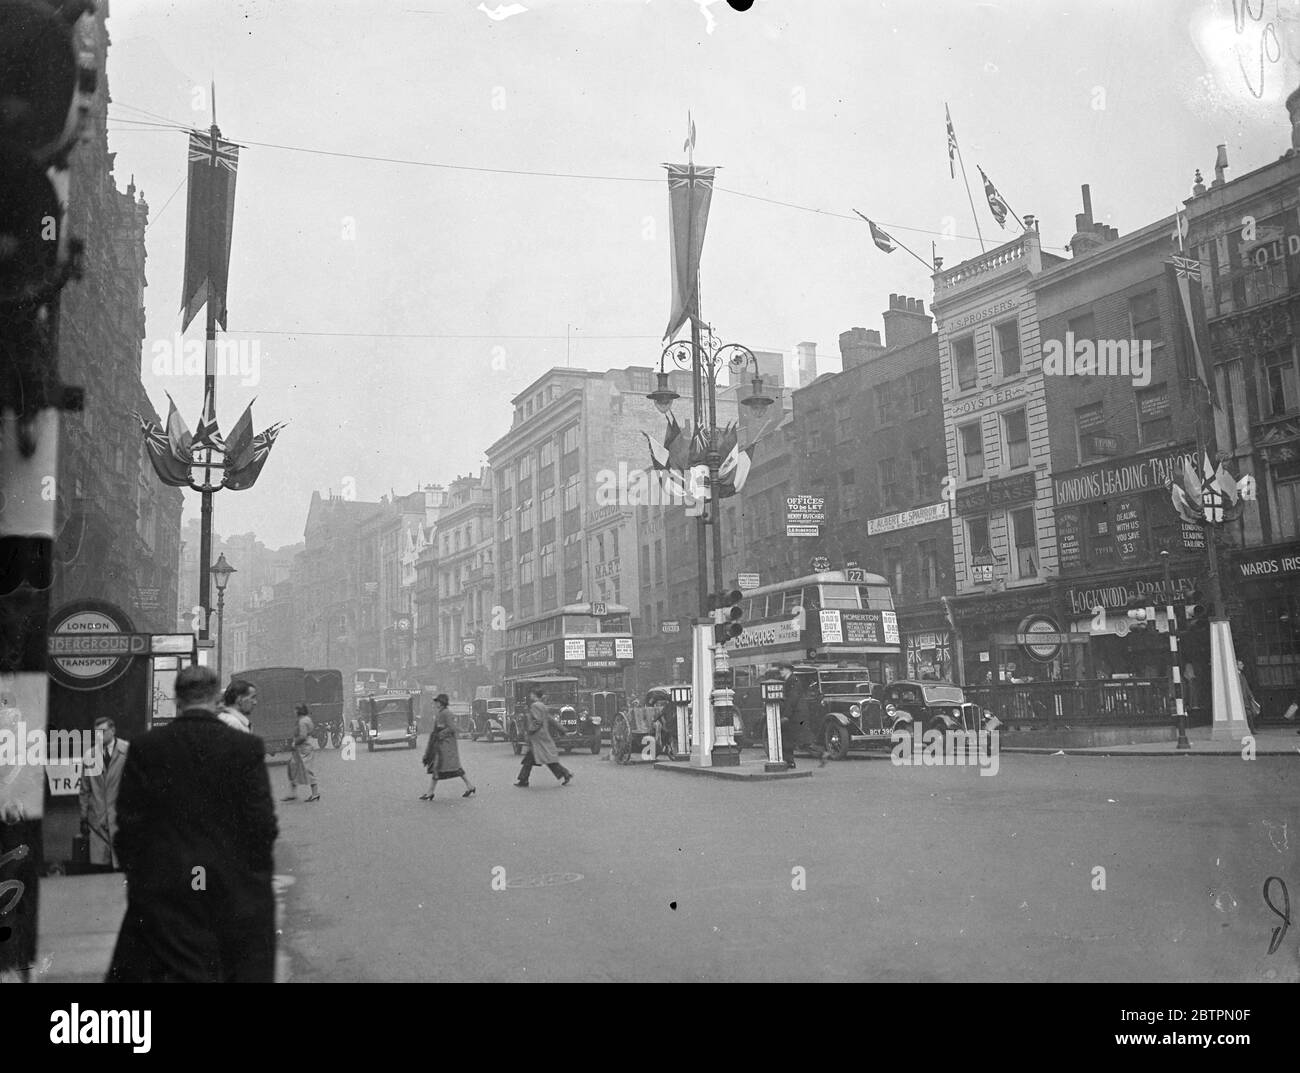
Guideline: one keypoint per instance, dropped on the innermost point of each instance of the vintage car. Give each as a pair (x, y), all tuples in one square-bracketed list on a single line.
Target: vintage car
[(390, 720), (876, 714), (490, 717), (463, 717)]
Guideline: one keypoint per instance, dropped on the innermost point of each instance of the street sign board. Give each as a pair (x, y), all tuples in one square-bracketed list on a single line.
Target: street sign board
[(803, 530), (856, 576), (747, 581), (773, 690), (670, 626)]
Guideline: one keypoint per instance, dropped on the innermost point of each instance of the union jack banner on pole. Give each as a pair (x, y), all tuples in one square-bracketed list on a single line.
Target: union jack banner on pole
[(246, 475), (1187, 270), (209, 222), (690, 190)]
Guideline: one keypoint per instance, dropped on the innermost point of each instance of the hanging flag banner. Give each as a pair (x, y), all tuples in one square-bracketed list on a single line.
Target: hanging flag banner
[(209, 223), (1186, 271), (952, 143), (690, 190), (997, 203)]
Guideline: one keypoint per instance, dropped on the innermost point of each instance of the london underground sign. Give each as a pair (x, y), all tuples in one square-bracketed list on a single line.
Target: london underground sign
[(91, 644)]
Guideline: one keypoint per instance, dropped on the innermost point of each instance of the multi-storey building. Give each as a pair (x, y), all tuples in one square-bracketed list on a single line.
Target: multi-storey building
[(998, 451), (1246, 235), (119, 536), (461, 597), (1120, 431), (871, 441)]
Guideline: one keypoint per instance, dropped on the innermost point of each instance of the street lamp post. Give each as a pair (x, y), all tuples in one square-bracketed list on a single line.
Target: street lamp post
[(221, 571)]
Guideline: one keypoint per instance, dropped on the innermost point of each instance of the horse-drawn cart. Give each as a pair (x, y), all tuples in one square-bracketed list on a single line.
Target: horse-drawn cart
[(646, 731)]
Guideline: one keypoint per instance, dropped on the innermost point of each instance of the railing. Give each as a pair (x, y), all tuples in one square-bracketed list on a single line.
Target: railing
[(979, 267), (1120, 701)]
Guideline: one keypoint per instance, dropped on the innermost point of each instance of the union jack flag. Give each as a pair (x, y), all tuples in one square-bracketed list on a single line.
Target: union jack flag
[(217, 153), (1187, 268), (952, 142)]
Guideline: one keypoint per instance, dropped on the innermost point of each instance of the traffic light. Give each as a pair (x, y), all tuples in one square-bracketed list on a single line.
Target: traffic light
[(45, 95), (727, 614)]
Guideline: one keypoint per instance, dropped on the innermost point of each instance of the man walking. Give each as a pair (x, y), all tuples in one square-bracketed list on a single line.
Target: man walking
[(304, 748), (541, 746), (196, 827), (99, 792), (237, 705)]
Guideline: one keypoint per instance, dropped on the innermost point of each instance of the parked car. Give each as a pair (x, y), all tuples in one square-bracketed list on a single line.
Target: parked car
[(872, 716)]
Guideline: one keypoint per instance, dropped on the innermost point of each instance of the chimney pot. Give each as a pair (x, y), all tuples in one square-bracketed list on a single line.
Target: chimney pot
[(1087, 202)]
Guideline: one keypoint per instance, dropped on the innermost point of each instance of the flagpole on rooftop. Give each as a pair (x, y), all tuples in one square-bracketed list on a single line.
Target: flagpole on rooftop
[(966, 183)]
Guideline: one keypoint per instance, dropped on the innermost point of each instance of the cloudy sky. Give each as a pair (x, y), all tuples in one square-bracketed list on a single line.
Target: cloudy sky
[(403, 269)]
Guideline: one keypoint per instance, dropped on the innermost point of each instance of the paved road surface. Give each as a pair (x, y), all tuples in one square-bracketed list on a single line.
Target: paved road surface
[(911, 873)]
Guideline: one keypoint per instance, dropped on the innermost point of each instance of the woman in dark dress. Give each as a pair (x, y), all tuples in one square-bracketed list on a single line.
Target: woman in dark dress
[(442, 754)]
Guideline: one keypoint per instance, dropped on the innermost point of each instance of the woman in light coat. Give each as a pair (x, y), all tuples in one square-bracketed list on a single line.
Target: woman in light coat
[(442, 754), (304, 748)]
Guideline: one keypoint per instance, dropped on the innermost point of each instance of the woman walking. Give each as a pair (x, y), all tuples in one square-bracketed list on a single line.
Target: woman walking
[(304, 748), (442, 754)]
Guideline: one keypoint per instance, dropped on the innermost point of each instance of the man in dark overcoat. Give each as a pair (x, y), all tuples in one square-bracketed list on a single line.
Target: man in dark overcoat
[(541, 746), (196, 827)]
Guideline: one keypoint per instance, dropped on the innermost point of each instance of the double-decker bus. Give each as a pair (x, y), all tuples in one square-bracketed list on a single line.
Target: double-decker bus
[(574, 642), (838, 616)]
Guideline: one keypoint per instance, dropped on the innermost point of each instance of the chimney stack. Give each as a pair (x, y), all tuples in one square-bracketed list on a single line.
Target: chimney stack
[(1220, 165), (906, 321), (806, 364), (1088, 234), (859, 346)]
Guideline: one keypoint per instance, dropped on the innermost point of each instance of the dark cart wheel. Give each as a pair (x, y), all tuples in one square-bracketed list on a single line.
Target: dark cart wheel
[(837, 741), (620, 740)]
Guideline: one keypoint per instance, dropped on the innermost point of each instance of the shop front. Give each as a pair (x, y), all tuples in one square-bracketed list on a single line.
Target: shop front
[(1265, 584), (995, 644), (927, 644)]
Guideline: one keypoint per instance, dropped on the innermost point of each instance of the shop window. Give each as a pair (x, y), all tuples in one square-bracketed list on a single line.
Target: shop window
[(1287, 520), (977, 536), (1016, 428), (1279, 386), (1007, 337), (1025, 540), (1155, 421), (972, 450), (963, 360)]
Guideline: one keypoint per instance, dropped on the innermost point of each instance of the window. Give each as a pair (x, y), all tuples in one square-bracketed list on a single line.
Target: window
[(571, 491), (963, 360), (659, 558), (526, 568), (548, 560), (613, 543), (525, 467), (528, 408), (600, 549), (972, 449), (1279, 386), (927, 559), (548, 505), (893, 568), (1287, 486), (1144, 317), (888, 482), (884, 404), (1016, 428), (646, 578), (569, 442), (977, 536), (1155, 423), (1025, 541), (1084, 327), (640, 383), (916, 388), (547, 453), (525, 515), (1007, 337), (1089, 424), (923, 473)]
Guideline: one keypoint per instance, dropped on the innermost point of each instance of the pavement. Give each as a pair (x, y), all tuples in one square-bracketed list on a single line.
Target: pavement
[(1270, 741), (1054, 870)]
